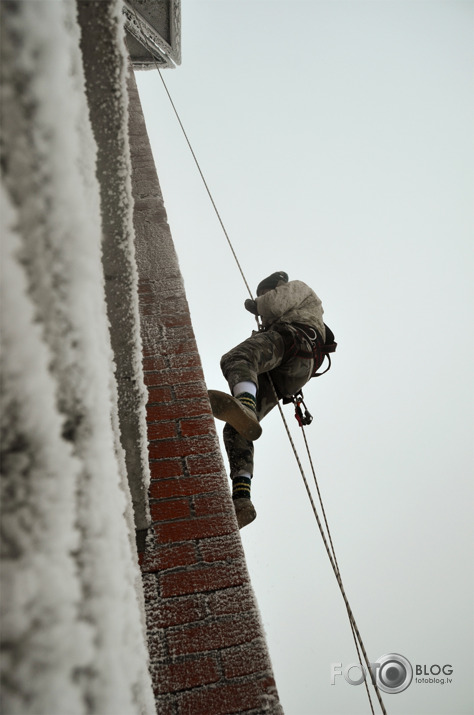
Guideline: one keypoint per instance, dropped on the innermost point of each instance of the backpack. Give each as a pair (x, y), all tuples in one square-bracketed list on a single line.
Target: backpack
[(323, 349)]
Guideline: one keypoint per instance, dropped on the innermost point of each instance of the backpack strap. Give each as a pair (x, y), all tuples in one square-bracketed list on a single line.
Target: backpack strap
[(319, 348), (328, 347), (318, 374)]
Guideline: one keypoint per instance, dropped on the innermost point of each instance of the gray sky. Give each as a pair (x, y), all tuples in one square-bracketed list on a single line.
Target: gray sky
[(337, 140)]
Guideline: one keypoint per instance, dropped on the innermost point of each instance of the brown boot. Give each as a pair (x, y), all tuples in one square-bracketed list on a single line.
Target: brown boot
[(240, 417), (244, 511)]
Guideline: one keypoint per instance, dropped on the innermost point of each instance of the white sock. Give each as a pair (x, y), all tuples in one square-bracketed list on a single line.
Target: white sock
[(244, 387), (243, 473)]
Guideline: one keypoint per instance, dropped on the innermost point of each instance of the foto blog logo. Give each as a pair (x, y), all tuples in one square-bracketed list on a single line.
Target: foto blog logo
[(392, 672)]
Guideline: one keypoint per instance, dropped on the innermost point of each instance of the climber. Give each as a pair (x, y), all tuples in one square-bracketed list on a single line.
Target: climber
[(288, 348)]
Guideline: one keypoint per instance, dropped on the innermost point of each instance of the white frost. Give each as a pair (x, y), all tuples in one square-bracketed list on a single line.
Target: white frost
[(71, 624)]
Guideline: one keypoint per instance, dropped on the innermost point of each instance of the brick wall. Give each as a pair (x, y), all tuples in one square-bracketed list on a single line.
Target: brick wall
[(208, 654)]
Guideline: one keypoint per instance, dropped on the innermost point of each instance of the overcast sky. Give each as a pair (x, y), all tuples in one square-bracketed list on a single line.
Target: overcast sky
[(337, 140)]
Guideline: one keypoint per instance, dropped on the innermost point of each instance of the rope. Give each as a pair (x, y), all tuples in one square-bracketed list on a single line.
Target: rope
[(327, 541), (206, 186), (193, 154), (320, 500), (323, 511), (328, 544)]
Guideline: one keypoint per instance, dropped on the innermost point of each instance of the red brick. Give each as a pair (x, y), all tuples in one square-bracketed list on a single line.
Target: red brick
[(144, 286), (182, 376), (153, 363), (177, 410), (196, 528), (183, 334), (149, 307), (190, 391), (159, 394), (150, 586), (159, 558), (202, 578), (173, 320), (174, 556), (221, 549), (215, 503), (182, 552), (174, 302), (177, 611), (197, 426), (167, 510), (181, 345), (210, 464), (158, 378), (150, 348), (162, 430), (246, 659), (229, 699), (163, 469), (146, 299), (156, 644), (187, 674), (165, 705), (185, 360), (231, 600), (213, 635), (180, 447), (184, 486)]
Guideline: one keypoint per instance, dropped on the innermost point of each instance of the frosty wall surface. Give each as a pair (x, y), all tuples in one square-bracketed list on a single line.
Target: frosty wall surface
[(207, 646), (105, 65), (72, 638)]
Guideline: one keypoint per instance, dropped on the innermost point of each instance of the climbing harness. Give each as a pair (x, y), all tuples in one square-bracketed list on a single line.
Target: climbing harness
[(319, 350)]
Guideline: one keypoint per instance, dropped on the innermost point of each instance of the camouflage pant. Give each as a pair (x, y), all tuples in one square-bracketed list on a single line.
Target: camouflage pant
[(267, 353)]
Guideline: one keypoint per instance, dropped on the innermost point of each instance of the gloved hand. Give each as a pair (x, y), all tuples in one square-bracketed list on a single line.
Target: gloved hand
[(251, 306)]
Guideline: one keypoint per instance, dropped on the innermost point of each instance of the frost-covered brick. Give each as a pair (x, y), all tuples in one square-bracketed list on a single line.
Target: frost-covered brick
[(176, 410), (202, 425), (216, 634), (189, 673), (171, 509), (245, 660), (180, 447), (163, 488), (203, 578), (178, 611), (194, 528), (255, 696), (204, 606)]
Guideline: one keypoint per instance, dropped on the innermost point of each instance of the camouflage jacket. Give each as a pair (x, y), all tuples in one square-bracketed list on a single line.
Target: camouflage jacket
[(293, 302)]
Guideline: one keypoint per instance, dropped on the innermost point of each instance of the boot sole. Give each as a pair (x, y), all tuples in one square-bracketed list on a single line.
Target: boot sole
[(227, 408), (244, 511)]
